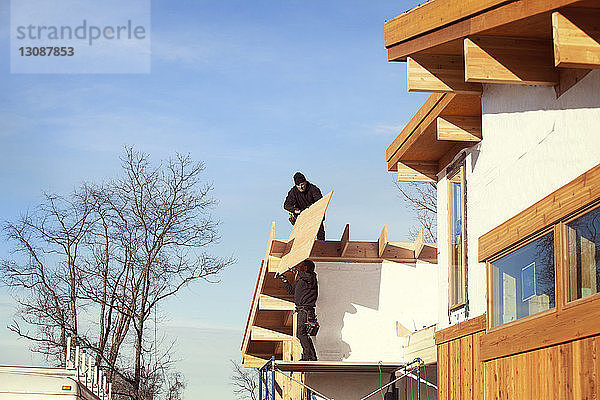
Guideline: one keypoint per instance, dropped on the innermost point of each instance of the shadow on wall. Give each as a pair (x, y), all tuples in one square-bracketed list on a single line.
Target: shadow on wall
[(341, 287)]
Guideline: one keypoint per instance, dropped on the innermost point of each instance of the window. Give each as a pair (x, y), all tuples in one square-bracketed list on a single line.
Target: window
[(523, 281), (583, 238), (456, 238)]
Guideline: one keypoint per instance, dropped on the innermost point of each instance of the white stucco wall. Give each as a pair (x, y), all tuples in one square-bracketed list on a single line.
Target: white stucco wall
[(532, 145), (359, 304)]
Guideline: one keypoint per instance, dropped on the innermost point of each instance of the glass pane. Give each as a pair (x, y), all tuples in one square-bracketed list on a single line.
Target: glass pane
[(584, 255), (456, 241), (523, 281)]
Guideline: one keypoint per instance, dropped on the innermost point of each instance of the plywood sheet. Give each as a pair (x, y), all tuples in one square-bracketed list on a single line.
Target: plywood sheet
[(304, 233)]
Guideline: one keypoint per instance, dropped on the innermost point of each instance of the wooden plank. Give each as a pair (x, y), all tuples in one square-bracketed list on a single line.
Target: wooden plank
[(455, 370), (305, 232), (418, 171), (253, 362), (419, 242), (260, 333), (545, 330), (443, 371), (520, 61), (576, 36), (273, 303), (345, 240), (478, 370), (382, 241), (439, 73), (459, 128), (457, 331), (494, 18), (432, 15), (466, 363), (421, 344), (569, 198)]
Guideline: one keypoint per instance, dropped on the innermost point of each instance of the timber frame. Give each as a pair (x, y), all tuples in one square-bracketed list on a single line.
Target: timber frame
[(270, 324), (455, 46), (451, 48)]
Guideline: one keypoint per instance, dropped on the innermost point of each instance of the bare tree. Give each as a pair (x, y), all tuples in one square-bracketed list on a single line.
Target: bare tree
[(113, 253), (421, 198), (244, 381)]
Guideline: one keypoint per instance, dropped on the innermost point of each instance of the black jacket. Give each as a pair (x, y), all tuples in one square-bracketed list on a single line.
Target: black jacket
[(301, 200), (305, 290)]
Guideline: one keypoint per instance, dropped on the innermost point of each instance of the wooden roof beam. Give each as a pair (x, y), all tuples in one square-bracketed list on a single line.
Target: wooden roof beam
[(448, 28), (345, 240), (264, 334), (250, 361), (459, 128), (496, 59), (439, 73), (576, 36), (267, 302), (418, 171), (419, 242)]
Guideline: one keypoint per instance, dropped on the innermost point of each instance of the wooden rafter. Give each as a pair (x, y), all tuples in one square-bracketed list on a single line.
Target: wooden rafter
[(459, 128), (576, 34), (495, 59), (444, 125), (453, 20), (417, 171), (439, 73), (271, 319)]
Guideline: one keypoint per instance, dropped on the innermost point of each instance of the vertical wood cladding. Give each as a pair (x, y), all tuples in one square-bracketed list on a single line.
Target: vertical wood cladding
[(568, 371)]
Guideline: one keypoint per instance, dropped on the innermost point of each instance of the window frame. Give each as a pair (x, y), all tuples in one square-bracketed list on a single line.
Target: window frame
[(568, 320), (490, 286), (565, 302), (459, 169)]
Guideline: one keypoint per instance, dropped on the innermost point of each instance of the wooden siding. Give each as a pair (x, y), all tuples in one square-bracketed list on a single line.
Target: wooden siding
[(460, 374), (569, 371)]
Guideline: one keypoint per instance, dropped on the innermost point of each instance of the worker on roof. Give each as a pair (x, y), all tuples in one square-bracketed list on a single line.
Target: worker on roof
[(301, 196), (305, 291)]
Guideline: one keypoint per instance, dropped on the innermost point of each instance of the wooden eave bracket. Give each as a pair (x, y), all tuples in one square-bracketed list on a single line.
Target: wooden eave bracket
[(439, 73), (499, 59), (576, 37), (382, 242), (419, 242), (459, 128)]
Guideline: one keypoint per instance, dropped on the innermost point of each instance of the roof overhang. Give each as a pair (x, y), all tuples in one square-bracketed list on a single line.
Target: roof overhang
[(455, 46), (443, 126)]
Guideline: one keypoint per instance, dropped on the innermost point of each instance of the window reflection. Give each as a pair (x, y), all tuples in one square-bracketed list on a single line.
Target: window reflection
[(583, 236), (523, 281), (456, 239)]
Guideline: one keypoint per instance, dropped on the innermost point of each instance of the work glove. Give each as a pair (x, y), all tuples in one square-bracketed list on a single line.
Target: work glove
[(292, 218)]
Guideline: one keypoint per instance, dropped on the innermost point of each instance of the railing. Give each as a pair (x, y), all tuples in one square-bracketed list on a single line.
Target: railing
[(88, 373)]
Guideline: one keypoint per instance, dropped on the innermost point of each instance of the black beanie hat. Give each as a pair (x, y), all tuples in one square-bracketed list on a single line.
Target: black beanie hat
[(299, 178)]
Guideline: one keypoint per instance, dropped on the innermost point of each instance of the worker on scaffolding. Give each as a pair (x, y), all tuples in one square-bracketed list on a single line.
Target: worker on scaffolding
[(301, 196), (305, 291)]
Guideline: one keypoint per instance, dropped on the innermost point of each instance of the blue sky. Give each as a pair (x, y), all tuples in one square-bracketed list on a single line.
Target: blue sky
[(257, 90)]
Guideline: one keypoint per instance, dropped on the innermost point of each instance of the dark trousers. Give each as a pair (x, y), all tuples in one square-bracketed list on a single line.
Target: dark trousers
[(308, 349), (321, 234)]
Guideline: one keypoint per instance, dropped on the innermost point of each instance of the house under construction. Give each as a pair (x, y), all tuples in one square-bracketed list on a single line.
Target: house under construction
[(506, 304)]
